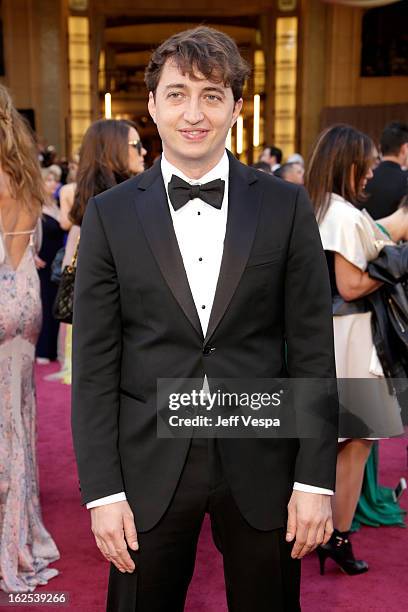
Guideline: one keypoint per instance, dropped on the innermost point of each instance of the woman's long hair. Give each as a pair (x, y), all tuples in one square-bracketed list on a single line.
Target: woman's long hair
[(103, 162), (338, 164), (19, 156)]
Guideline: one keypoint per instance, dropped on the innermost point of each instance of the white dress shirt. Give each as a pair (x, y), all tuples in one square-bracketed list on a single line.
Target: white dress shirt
[(200, 231)]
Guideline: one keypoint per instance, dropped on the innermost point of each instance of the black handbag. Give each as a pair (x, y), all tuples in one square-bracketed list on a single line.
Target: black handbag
[(391, 267), (64, 301)]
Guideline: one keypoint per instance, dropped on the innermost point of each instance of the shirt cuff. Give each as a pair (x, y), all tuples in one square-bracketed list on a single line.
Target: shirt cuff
[(298, 486), (109, 499)]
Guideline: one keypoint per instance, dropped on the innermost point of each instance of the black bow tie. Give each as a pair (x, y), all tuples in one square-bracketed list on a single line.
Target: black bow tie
[(180, 192)]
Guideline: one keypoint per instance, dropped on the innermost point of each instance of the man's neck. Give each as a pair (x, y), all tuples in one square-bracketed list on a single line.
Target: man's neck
[(194, 168), (392, 158)]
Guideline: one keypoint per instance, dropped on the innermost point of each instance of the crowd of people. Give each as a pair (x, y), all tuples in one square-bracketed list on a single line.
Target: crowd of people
[(359, 194), (293, 170)]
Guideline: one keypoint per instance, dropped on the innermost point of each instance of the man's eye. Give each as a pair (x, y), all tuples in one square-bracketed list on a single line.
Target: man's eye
[(213, 98), (175, 95)]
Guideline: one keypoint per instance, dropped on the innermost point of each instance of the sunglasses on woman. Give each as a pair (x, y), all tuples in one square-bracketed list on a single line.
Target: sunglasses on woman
[(136, 144)]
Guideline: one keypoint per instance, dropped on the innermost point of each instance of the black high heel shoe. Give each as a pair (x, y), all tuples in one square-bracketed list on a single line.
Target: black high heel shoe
[(340, 550)]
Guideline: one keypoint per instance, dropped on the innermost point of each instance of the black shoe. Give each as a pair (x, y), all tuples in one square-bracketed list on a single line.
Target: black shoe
[(339, 549)]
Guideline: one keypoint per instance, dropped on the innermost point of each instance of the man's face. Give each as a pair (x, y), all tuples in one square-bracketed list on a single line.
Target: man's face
[(192, 116), (267, 157), (404, 154), (296, 174)]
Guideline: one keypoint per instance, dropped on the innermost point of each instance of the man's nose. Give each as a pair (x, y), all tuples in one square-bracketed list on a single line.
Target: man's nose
[(193, 113)]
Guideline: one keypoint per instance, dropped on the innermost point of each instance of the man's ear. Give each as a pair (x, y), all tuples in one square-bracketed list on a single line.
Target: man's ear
[(404, 152), (151, 105), (237, 109)]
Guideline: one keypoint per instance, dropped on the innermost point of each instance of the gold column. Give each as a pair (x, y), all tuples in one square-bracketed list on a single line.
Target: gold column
[(258, 135), (285, 84), (79, 79)]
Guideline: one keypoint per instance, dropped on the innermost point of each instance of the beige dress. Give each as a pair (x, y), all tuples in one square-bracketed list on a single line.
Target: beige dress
[(26, 547), (368, 408)]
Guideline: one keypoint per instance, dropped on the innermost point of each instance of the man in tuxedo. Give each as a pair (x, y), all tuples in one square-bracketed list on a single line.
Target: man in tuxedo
[(199, 267), (272, 156), (390, 180)]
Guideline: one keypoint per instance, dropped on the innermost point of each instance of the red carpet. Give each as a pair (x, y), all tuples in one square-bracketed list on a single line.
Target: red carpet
[(83, 572)]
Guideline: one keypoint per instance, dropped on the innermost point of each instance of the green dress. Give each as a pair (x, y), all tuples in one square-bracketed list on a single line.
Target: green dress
[(376, 506)]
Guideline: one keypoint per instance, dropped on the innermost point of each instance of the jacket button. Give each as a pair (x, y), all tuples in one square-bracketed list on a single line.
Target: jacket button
[(208, 349)]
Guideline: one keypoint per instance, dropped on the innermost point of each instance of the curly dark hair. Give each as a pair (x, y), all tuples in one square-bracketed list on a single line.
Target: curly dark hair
[(202, 50)]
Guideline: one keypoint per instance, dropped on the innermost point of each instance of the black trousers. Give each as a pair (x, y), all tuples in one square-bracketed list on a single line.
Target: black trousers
[(260, 575)]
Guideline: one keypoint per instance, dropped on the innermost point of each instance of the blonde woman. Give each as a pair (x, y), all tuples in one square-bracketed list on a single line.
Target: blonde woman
[(26, 548)]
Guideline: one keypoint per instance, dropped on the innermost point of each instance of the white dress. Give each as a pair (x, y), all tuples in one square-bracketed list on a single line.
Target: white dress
[(368, 408)]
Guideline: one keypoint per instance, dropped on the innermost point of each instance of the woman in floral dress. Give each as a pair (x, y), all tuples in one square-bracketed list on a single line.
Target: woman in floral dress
[(26, 548)]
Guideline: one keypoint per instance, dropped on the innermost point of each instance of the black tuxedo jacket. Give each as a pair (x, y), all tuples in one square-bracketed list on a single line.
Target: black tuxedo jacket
[(386, 189), (135, 321)]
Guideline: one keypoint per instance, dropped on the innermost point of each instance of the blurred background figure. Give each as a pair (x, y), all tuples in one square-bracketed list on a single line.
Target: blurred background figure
[(296, 158), (263, 167), (26, 548), (66, 199), (272, 156), (340, 166), (57, 170), (47, 155), (111, 152), (52, 241), (389, 183), (67, 193), (73, 168), (292, 172)]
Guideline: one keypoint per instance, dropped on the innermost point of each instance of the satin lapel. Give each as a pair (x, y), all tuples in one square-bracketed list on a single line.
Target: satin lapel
[(153, 212), (244, 201)]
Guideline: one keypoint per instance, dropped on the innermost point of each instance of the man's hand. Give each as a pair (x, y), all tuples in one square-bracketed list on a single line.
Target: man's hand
[(113, 525), (309, 521)]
